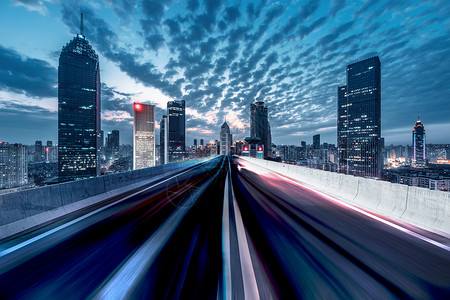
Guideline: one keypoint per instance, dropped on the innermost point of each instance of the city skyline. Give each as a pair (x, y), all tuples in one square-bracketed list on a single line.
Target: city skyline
[(288, 64)]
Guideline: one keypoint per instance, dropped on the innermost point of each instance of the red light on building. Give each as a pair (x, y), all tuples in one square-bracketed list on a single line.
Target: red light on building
[(137, 106), (47, 149), (245, 148), (259, 148)]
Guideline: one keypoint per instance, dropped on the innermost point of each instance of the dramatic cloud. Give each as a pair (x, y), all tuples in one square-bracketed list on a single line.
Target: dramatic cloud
[(220, 56), (26, 75)]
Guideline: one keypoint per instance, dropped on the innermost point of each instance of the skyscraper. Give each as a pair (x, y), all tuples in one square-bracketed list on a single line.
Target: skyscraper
[(38, 155), (419, 145), (260, 127), (359, 120), (78, 110), (163, 140), (13, 165), (316, 141), (112, 144), (225, 139), (143, 136), (177, 130)]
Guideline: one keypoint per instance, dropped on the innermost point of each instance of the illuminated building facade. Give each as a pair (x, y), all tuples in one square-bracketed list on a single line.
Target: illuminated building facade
[(13, 165), (143, 136), (78, 110), (419, 145), (177, 130), (359, 120), (260, 127)]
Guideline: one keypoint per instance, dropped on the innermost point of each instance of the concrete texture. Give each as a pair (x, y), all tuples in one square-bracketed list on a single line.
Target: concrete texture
[(421, 207), (23, 210)]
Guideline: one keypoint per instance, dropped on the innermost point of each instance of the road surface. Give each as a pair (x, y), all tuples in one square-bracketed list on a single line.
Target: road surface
[(225, 229)]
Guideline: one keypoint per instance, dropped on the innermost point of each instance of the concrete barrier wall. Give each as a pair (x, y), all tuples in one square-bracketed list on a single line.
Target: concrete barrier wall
[(418, 206), (30, 203)]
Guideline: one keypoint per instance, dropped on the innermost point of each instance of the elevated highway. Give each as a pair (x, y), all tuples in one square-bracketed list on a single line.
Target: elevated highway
[(226, 229)]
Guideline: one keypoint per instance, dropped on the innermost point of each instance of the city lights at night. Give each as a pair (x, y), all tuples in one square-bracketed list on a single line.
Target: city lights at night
[(211, 149)]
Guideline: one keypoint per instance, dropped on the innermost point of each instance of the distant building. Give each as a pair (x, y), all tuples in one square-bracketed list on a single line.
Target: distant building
[(176, 112), (112, 145), (13, 165), (239, 147), (143, 136), (78, 110), (260, 127), (195, 143), (214, 147), (163, 140), (359, 120), (225, 139), (419, 145), (316, 141), (38, 153), (201, 143)]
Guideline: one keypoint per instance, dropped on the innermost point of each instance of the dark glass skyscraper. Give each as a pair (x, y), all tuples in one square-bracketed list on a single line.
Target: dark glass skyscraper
[(316, 141), (177, 130), (359, 120), (419, 145), (260, 127), (78, 110)]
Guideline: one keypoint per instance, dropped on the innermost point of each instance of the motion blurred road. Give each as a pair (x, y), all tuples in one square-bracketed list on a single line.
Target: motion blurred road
[(225, 229)]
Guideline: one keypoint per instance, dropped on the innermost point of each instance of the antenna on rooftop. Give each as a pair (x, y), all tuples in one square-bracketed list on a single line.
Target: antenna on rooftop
[(81, 25)]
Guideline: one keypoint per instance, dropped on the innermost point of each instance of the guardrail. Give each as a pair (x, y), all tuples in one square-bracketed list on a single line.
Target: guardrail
[(421, 207), (25, 209)]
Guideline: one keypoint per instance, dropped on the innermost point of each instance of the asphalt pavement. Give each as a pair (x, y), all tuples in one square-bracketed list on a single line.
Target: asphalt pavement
[(225, 229)]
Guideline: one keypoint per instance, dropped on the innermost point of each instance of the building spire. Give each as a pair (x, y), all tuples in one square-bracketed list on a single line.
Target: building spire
[(81, 24)]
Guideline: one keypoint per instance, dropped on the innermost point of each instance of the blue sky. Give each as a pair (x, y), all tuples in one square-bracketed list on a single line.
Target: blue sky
[(220, 56)]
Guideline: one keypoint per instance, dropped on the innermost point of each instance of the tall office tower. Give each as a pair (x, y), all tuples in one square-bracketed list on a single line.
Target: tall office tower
[(38, 151), (13, 165), (163, 140), (316, 141), (259, 126), (78, 110), (202, 143), (177, 130), (419, 145), (112, 144), (225, 139), (195, 143), (359, 120), (144, 136)]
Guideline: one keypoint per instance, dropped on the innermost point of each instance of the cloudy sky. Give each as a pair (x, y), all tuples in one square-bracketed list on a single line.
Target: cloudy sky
[(220, 56)]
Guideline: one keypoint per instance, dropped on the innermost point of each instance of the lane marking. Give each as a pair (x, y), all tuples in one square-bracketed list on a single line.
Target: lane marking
[(123, 282), (226, 251), (47, 233), (248, 274), (396, 226)]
